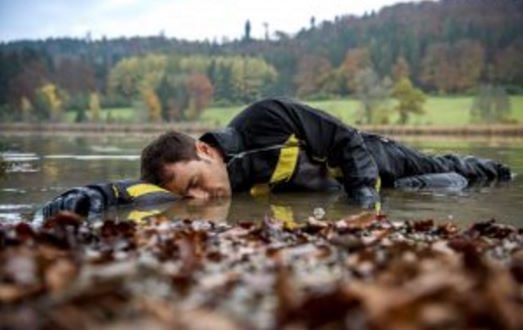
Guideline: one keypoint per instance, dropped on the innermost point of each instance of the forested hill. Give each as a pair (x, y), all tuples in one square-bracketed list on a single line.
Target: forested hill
[(449, 46)]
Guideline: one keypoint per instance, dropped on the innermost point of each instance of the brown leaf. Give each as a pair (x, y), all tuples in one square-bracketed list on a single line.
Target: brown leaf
[(357, 221), (10, 293), (60, 274)]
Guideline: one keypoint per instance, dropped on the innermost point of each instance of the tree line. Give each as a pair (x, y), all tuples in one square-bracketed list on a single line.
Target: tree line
[(445, 47)]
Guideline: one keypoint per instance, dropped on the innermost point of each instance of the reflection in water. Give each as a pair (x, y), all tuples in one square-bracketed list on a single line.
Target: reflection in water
[(48, 165), (288, 208), (94, 157), (473, 204)]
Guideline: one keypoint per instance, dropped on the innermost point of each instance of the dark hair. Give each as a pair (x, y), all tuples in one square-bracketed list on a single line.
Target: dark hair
[(170, 147)]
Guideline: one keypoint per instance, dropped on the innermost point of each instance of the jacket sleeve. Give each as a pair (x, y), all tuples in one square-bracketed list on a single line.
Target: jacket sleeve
[(325, 137), (96, 198)]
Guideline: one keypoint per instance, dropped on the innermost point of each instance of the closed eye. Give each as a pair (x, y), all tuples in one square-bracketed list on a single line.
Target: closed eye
[(192, 184)]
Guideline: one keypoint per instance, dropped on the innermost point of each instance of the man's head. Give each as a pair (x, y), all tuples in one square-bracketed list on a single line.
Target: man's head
[(185, 166)]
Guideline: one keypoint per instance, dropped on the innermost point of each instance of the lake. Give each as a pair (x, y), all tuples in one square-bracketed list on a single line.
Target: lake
[(42, 166)]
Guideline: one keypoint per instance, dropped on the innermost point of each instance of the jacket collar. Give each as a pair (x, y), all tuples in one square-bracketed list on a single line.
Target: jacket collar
[(229, 142)]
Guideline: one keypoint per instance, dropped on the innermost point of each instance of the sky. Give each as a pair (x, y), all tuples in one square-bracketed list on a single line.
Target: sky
[(183, 19)]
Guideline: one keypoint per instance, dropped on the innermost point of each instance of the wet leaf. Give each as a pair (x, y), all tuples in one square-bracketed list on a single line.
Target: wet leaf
[(60, 274)]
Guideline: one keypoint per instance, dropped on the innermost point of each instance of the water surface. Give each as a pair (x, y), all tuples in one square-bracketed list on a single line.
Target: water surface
[(42, 166)]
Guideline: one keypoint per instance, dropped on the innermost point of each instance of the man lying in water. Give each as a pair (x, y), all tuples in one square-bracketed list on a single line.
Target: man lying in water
[(279, 145)]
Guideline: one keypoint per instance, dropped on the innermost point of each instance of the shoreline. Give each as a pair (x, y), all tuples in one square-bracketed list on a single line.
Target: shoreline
[(502, 130)]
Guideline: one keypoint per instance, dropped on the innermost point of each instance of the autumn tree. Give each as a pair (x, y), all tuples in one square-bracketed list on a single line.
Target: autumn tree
[(132, 76), (401, 69), (50, 99), (94, 107), (410, 99), (508, 63), (468, 58), (199, 91), (453, 68), (313, 72), (152, 104), (355, 60)]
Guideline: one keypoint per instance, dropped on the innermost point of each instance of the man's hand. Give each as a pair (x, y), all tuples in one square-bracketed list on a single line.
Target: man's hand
[(365, 197), (81, 201)]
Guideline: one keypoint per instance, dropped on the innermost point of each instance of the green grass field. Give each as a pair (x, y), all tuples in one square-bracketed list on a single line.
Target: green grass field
[(123, 115), (447, 110)]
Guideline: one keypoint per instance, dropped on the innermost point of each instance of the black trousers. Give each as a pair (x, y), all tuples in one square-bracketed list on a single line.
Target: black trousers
[(396, 161)]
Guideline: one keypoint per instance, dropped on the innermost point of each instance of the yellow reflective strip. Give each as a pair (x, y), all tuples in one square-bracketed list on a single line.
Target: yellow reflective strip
[(115, 191), (285, 215), (139, 216), (260, 189), (378, 184), (377, 208), (287, 160), (334, 172), (140, 189)]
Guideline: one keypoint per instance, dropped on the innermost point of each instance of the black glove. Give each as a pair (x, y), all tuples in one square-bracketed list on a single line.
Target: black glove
[(365, 197), (82, 200), (94, 199), (504, 172)]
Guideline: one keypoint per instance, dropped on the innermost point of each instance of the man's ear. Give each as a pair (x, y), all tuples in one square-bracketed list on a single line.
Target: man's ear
[(203, 150)]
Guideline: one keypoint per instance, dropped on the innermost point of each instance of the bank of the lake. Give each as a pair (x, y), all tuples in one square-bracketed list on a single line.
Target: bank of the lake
[(508, 130)]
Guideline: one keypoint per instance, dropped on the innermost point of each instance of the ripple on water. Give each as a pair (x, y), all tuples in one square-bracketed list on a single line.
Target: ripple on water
[(11, 217), (11, 213), (14, 190), (22, 168), (106, 149), (19, 156), (93, 157), (16, 207)]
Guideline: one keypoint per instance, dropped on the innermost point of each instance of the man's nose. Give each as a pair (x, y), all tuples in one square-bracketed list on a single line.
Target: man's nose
[(197, 193)]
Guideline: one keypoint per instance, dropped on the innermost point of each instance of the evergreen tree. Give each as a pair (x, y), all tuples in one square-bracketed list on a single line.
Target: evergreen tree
[(247, 31)]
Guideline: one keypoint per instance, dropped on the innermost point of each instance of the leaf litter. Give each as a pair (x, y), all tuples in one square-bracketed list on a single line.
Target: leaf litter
[(362, 272)]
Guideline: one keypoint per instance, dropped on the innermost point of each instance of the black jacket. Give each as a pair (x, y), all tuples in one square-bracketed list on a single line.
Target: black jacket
[(278, 143), (284, 145)]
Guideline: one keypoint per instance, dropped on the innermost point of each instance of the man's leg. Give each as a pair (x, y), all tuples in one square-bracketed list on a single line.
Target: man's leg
[(476, 169), (451, 181), (395, 161)]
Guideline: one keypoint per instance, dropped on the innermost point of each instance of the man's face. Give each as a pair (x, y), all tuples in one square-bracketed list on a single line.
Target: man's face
[(203, 178)]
